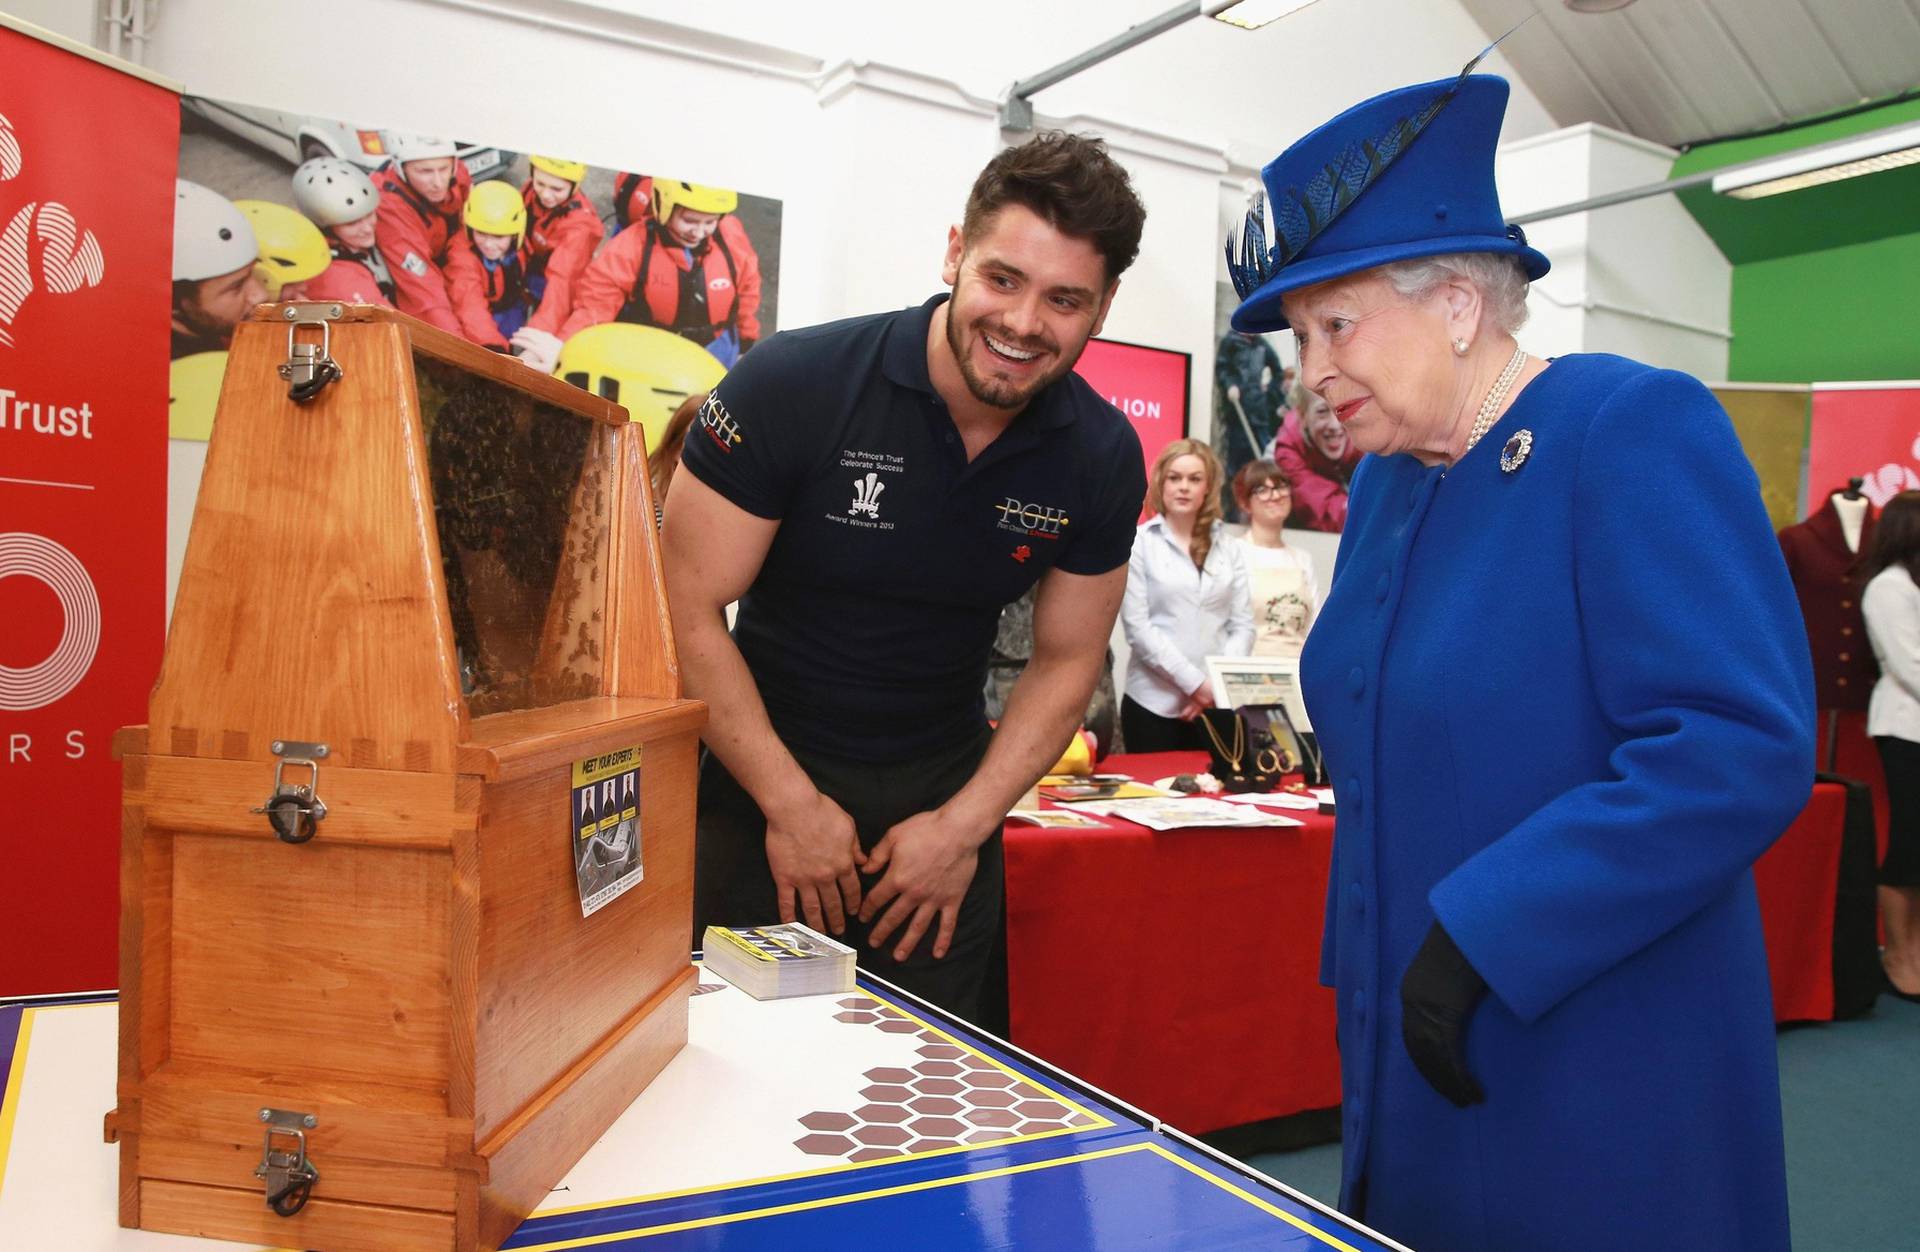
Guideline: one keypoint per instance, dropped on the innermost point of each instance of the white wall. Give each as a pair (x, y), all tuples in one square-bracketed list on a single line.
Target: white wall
[(1639, 279)]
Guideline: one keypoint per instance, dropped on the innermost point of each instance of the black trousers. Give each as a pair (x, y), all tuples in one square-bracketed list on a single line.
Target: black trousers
[(1143, 730), (1901, 760), (733, 885)]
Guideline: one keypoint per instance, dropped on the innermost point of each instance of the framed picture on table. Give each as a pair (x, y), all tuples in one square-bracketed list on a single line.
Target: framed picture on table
[(1242, 680)]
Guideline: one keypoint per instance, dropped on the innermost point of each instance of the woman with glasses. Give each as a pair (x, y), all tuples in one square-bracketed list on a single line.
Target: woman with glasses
[(1280, 577)]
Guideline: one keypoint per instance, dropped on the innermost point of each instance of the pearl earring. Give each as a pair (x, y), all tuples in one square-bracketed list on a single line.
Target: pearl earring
[(1460, 347)]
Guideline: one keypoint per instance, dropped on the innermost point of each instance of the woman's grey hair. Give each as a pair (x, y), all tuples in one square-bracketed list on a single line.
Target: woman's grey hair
[(1501, 280)]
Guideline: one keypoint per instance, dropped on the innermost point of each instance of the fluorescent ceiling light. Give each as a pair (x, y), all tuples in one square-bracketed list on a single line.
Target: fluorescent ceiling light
[(1827, 163), (1251, 14)]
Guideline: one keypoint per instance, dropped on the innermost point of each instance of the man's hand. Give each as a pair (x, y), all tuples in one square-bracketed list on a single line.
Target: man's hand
[(814, 853), (928, 861)]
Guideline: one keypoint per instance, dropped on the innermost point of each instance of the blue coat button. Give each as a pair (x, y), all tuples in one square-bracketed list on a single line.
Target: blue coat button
[(1348, 798), (1380, 589), (1360, 1006), (1357, 680), (1356, 897)]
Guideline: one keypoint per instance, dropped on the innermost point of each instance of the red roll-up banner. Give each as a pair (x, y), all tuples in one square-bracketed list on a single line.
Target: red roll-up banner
[(87, 156), (1869, 431)]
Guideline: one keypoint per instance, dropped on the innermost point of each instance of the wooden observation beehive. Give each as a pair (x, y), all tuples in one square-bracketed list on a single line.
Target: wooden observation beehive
[(419, 713)]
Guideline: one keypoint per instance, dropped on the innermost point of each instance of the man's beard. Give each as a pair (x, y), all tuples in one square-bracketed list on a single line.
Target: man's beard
[(994, 392)]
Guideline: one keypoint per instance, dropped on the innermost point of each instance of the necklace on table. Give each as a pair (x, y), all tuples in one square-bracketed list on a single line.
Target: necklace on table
[(1239, 741), (1490, 407)]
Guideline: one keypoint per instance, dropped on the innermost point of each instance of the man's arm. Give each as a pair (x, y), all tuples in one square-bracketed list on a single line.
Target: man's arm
[(929, 858), (712, 551)]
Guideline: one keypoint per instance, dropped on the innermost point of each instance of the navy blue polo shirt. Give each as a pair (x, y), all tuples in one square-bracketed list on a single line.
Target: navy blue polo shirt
[(869, 626)]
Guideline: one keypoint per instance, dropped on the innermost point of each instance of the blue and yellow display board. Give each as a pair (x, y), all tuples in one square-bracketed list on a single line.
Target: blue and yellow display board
[(863, 1120)]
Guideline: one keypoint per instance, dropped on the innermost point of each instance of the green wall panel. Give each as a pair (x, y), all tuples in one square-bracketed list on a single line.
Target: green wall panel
[(1831, 316)]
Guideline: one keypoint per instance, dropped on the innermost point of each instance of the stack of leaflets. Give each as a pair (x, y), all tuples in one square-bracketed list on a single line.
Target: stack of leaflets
[(773, 962)]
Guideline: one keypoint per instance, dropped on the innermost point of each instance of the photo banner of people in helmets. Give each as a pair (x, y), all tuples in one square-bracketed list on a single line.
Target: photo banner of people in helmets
[(1261, 410), (639, 287)]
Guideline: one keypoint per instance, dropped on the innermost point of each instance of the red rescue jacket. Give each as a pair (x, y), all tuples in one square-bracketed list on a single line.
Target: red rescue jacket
[(348, 280), (479, 290), (560, 243), (641, 275), (417, 239)]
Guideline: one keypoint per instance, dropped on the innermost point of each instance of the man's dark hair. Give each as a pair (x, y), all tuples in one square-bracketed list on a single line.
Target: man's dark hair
[(1071, 183)]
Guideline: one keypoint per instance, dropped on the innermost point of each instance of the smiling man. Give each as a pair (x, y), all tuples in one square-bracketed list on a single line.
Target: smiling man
[(873, 492)]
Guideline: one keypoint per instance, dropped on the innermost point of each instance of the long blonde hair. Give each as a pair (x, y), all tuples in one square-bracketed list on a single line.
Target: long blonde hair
[(1202, 542)]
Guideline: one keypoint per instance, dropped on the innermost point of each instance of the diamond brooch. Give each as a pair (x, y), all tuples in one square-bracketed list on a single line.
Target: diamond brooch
[(1515, 454)]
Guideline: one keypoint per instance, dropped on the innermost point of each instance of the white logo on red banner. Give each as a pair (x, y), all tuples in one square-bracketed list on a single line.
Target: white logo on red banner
[(40, 558), (70, 257)]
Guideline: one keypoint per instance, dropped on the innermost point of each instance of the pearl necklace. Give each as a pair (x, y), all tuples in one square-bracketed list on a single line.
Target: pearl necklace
[(1490, 407)]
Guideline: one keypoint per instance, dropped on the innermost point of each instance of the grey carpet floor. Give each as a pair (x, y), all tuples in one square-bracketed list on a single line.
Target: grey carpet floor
[(1851, 1095)]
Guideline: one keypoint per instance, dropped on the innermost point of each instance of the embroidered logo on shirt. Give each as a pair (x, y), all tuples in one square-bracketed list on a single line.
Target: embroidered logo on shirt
[(414, 265), (718, 423), (1021, 553), (1035, 520), (866, 495)]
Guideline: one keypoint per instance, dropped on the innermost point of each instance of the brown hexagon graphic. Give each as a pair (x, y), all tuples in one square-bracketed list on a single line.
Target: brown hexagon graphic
[(949, 1098), (939, 1086), (1041, 1110), (829, 1121), (882, 1136)]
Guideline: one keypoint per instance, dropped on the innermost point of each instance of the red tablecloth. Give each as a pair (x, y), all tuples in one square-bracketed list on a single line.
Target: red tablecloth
[(1179, 970)]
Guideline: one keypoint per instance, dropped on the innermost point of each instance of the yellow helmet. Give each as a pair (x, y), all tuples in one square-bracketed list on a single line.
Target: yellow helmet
[(292, 249), (193, 393), (495, 208), (670, 194), (572, 171), (649, 370)]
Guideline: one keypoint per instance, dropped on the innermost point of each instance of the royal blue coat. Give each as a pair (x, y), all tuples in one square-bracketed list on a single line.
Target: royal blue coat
[(1565, 708)]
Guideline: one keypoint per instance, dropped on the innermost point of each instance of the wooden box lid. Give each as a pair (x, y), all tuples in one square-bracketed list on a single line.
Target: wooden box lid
[(440, 535)]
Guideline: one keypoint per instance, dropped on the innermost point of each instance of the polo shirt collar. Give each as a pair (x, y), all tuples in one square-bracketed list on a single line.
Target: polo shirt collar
[(905, 362)]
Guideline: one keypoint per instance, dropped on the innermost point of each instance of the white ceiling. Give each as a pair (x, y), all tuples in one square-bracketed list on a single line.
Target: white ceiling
[(1676, 71)]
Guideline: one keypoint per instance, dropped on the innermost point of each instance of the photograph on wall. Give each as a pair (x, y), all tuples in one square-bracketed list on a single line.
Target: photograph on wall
[(639, 287), (1260, 410)]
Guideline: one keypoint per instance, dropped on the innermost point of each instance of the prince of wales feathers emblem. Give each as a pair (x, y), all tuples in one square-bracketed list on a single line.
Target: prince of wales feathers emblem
[(866, 495)]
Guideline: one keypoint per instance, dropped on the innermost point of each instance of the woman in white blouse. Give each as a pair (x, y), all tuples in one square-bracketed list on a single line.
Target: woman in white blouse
[(1186, 600), (1280, 575), (1892, 607)]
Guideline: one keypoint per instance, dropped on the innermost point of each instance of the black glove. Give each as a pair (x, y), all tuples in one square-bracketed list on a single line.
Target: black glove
[(1437, 995)]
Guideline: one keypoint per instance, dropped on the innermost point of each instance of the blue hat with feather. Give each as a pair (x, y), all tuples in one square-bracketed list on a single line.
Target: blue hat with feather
[(1404, 175)]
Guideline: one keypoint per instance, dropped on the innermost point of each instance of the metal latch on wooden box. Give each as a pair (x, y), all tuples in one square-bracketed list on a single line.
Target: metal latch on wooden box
[(310, 366), (288, 1174), (294, 809)]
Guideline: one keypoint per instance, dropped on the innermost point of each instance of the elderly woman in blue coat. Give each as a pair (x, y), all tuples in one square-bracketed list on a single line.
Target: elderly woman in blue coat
[(1565, 696)]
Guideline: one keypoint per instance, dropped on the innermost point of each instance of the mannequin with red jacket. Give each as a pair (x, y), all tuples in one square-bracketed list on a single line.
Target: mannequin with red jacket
[(1822, 554), (688, 268), (423, 191)]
